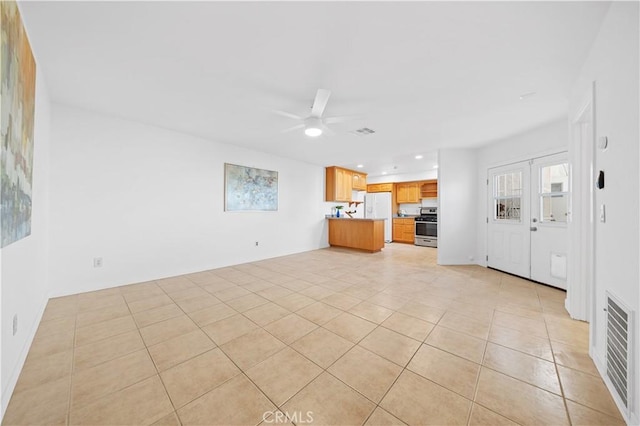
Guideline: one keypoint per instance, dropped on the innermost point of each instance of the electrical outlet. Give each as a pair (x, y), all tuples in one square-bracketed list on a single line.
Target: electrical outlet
[(15, 324), (257, 243), (97, 262)]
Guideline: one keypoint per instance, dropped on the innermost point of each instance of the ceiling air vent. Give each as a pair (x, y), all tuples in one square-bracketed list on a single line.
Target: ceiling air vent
[(365, 131)]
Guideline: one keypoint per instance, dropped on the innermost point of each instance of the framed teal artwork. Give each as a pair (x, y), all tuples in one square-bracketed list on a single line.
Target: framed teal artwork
[(250, 189)]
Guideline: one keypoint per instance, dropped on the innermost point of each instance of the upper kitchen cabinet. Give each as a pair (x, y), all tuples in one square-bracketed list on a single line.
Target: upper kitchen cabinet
[(429, 189), (407, 192), (359, 181), (380, 187), (339, 184)]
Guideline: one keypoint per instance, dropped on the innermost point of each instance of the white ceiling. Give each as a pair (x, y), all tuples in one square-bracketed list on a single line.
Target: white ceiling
[(423, 75)]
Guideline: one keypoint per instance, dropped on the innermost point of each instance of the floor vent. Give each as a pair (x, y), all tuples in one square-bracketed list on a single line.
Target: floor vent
[(619, 320)]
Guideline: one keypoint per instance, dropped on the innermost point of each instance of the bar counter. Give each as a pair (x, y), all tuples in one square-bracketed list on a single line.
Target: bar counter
[(361, 234)]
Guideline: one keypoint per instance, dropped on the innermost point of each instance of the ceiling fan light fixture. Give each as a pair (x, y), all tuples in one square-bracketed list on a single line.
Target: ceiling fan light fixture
[(313, 127), (312, 132)]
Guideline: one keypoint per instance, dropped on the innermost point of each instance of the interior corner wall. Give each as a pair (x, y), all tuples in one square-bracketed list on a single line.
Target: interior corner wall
[(150, 203), (24, 262), (613, 64), (544, 140), (457, 206)]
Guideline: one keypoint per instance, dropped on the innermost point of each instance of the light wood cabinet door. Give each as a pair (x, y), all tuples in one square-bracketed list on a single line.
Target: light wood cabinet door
[(397, 230), (404, 230), (339, 184), (380, 187), (409, 231), (407, 192), (359, 181), (346, 184)]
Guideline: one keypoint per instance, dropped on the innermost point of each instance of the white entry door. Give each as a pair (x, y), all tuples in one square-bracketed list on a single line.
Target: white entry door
[(549, 215), (527, 220), (508, 219)]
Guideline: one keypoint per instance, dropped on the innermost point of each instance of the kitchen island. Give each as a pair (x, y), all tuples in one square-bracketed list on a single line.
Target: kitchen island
[(361, 234)]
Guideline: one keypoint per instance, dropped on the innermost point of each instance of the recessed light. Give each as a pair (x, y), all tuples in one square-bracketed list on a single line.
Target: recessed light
[(435, 167), (360, 166), (418, 157), (384, 173)]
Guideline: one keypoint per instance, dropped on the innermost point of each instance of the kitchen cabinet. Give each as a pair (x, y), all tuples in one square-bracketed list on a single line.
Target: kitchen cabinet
[(359, 181), (380, 187), (404, 230), (407, 192), (339, 184), (429, 189)]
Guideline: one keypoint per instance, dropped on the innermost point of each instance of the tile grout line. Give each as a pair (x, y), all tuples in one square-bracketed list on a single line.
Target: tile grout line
[(87, 403), (146, 347), (241, 371), (73, 355), (477, 386), (398, 377), (555, 365)]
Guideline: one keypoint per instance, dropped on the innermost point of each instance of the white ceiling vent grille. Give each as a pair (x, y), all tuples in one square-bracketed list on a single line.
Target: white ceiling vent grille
[(619, 367), (365, 131)]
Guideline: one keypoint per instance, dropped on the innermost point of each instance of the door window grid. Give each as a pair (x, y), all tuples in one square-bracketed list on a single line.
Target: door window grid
[(507, 197), (554, 193)]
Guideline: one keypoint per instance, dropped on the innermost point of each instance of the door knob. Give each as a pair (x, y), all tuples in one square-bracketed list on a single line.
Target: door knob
[(533, 228)]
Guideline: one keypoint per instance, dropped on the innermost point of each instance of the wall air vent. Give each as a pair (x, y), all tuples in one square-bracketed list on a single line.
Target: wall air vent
[(365, 131), (619, 358)]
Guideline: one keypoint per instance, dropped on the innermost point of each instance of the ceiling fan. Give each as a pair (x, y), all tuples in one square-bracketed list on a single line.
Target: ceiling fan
[(315, 124)]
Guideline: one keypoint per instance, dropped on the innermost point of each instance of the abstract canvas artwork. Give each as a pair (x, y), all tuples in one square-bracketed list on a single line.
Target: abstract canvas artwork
[(17, 105), (249, 189)]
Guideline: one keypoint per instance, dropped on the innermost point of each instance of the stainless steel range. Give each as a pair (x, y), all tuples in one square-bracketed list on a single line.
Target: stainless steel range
[(427, 227)]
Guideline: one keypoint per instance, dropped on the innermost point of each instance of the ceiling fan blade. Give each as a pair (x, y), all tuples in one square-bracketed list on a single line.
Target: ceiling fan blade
[(287, 114), (320, 102), (291, 129), (341, 119), (327, 130)]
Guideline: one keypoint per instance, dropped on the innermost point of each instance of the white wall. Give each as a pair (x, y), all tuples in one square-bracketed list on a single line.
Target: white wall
[(457, 199), (24, 263), (550, 138), (613, 64), (150, 202)]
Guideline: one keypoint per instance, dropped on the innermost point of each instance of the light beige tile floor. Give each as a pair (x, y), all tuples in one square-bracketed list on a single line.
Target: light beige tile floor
[(331, 336)]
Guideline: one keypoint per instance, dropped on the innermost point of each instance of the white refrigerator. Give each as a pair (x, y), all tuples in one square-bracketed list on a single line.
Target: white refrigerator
[(377, 205)]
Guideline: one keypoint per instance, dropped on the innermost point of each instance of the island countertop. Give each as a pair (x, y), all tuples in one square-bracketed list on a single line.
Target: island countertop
[(354, 218), (361, 234)]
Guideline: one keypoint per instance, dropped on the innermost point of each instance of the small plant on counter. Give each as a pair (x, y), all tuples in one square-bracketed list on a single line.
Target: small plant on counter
[(338, 208)]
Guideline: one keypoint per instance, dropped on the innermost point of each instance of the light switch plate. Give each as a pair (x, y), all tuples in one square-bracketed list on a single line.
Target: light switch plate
[(603, 217)]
